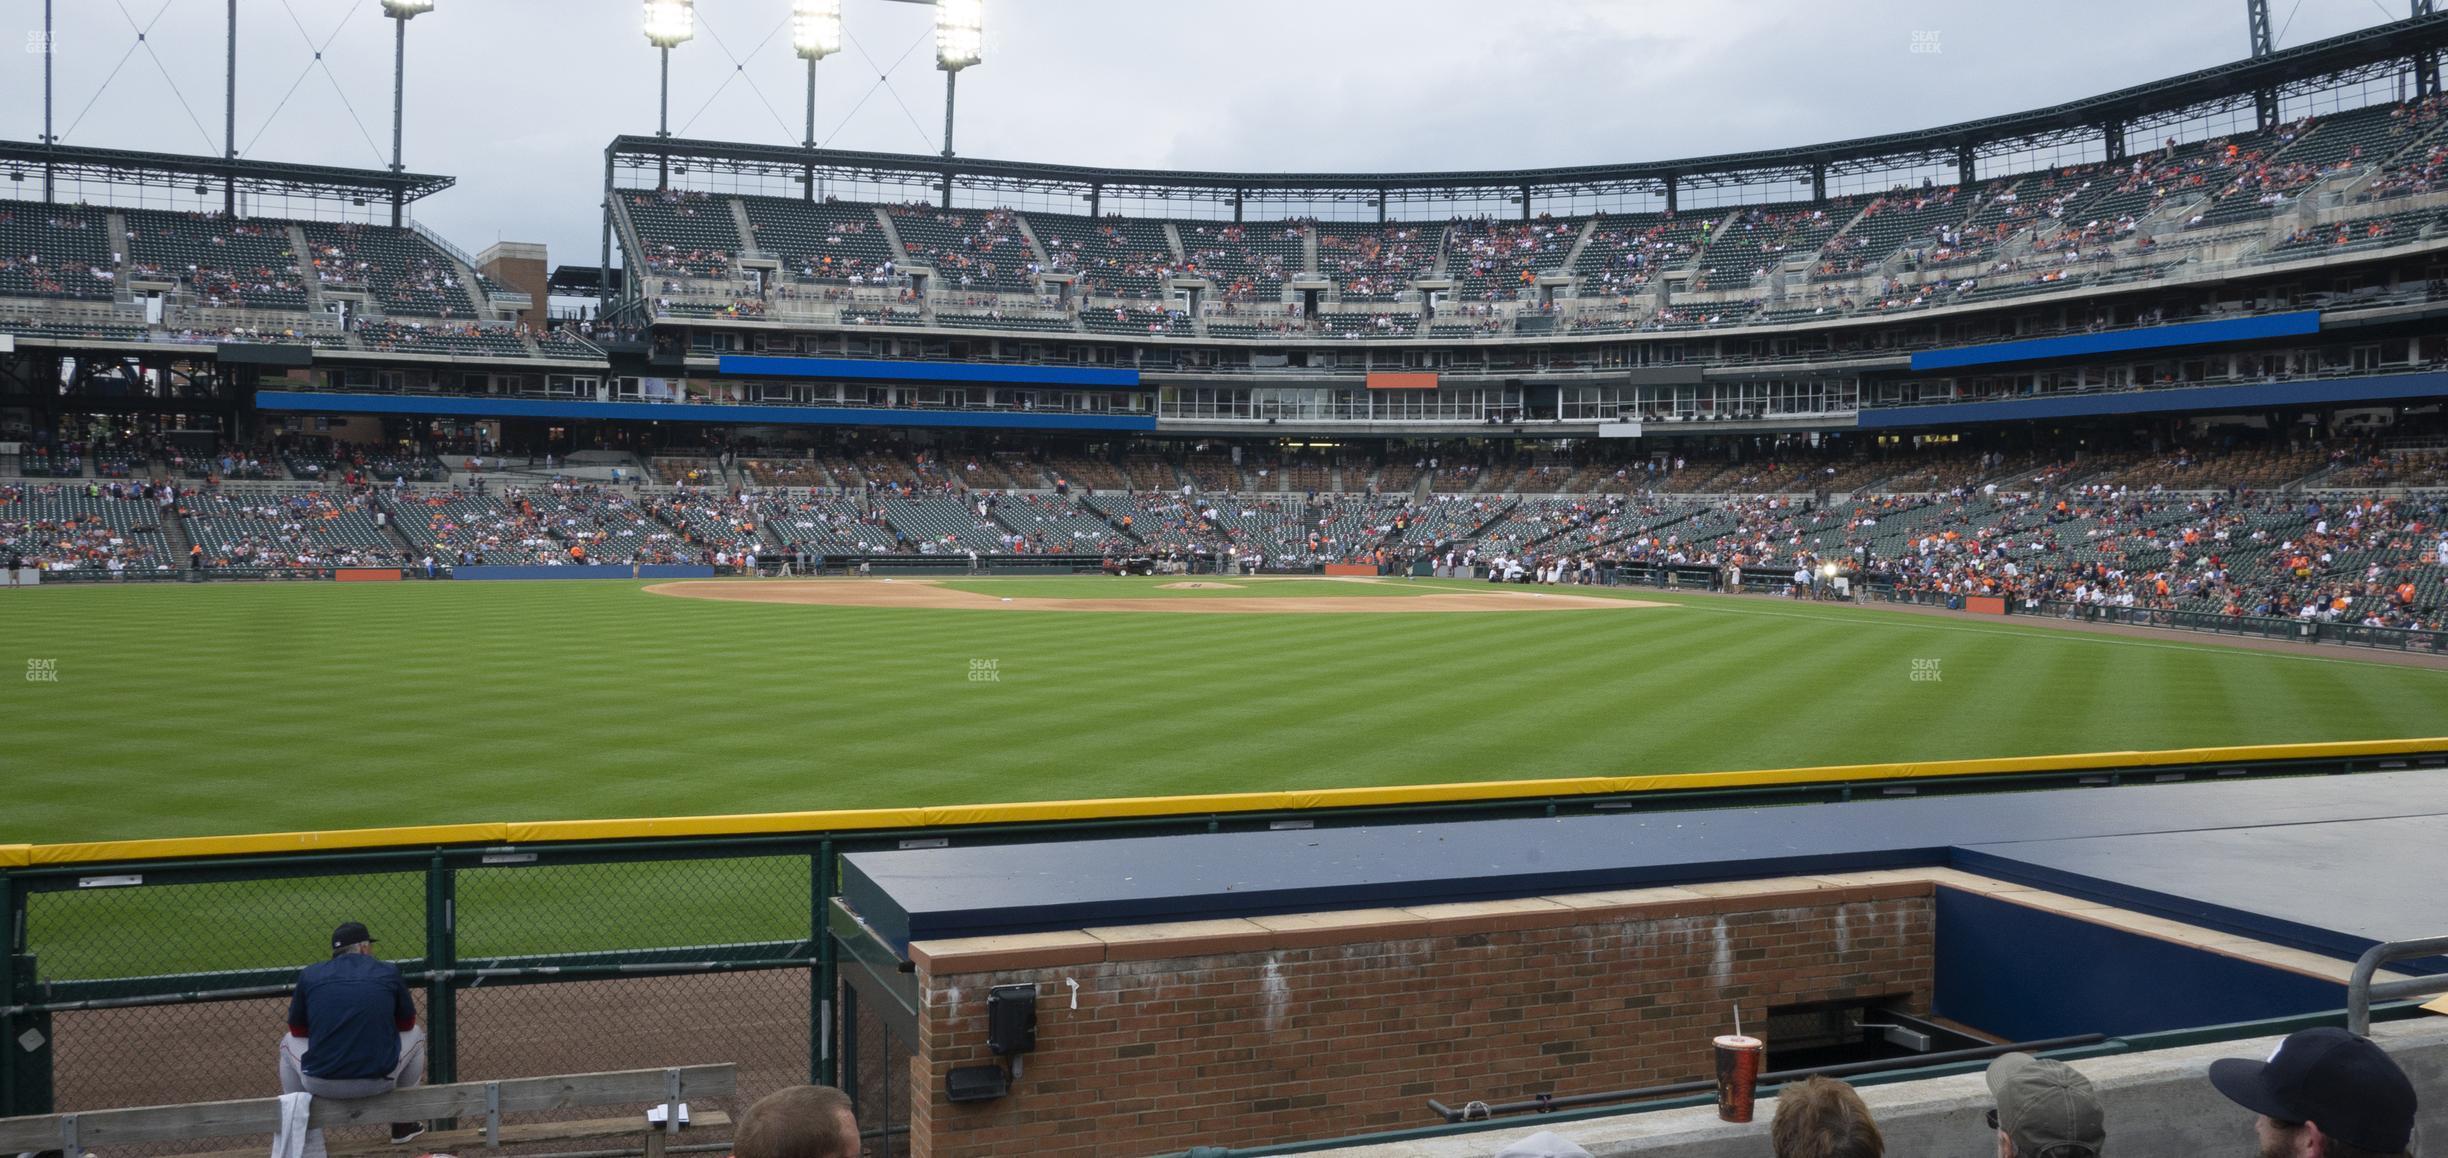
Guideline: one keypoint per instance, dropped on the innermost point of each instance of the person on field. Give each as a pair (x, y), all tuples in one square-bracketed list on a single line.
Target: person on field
[(353, 1031), (798, 1122)]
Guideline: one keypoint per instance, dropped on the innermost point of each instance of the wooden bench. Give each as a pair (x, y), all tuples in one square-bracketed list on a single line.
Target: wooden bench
[(74, 1134)]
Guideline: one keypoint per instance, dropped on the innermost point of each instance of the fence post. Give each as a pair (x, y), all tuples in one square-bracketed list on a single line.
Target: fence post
[(825, 977), (12, 943), (441, 956), (25, 1069), (849, 1063)]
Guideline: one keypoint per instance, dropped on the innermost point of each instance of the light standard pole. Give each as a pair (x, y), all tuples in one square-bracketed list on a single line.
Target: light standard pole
[(400, 12), (816, 33), (229, 119), (960, 41), (49, 51), (668, 23)]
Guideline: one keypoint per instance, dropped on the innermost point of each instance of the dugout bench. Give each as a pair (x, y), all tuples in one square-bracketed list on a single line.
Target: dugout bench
[(486, 1102)]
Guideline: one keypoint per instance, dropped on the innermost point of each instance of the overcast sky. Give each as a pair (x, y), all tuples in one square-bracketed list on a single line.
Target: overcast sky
[(518, 97)]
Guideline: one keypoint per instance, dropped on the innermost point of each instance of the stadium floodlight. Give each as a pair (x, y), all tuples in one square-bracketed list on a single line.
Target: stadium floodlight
[(406, 9), (670, 22), (960, 33), (960, 41), (816, 28)]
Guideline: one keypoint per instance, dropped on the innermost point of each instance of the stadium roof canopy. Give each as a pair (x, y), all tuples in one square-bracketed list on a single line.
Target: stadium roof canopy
[(2368, 54), (267, 178)]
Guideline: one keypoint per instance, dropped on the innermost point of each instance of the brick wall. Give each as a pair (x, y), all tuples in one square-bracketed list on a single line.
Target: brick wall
[(520, 266), (1244, 1032)]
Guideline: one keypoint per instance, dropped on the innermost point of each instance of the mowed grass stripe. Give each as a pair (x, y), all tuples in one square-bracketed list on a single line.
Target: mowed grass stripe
[(238, 708), (1753, 685)]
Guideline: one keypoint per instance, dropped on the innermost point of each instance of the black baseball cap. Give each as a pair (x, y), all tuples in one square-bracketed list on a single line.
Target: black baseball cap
[(350, 933), (2329, 1077)]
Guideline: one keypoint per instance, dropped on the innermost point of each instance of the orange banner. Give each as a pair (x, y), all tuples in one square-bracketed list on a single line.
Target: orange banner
[(367, 575), (1398, 380), (1985, 604), (1351, 568)]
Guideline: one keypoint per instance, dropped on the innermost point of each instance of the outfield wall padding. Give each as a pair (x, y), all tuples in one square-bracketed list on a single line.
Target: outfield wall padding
[(654, 571), (922, 816)]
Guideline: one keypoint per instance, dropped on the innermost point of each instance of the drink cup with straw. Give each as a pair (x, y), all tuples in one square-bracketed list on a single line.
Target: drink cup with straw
[(1739, 1060)]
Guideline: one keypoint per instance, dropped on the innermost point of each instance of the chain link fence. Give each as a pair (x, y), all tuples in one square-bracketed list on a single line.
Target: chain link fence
[(879, 1086), (171, 985)]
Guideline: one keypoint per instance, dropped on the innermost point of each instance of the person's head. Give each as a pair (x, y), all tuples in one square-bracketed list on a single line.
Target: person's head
[(1823, 1118), (2044, 1109), (351, 937), (2325, 1093), (798, 1122)]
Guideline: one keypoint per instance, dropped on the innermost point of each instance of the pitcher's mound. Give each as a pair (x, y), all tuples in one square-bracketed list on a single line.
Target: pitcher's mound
[(920, 593)]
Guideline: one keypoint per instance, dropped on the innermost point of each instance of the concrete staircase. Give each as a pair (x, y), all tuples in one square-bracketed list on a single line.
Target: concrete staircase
[(747, 228), (306, 270), (1572, 259), (1036, 247), (900, 252)]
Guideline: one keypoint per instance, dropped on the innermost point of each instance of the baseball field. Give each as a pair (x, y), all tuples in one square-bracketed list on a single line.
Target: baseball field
[(176, 710)]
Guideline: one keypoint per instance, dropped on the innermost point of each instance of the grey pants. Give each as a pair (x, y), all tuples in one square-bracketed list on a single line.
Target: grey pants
[(409, 1072)]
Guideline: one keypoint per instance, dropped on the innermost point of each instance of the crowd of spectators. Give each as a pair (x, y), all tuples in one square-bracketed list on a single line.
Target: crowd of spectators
[(1225, 256), (61, 253), (224, 262), (687, 256), (967, 249), (104, 526)]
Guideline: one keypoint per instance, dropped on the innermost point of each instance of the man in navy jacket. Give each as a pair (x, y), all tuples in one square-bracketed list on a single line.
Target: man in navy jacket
[(352, 1028)]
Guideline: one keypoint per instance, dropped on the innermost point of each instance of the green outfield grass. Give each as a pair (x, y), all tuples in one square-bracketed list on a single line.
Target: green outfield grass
[(230, 708)]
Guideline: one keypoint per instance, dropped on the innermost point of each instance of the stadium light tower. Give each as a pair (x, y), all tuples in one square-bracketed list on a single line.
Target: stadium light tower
[(48, 140), (960, 41), (400, 12), (816, 33), (668, 22)]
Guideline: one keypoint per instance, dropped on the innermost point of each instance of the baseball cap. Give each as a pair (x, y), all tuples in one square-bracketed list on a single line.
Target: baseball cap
[(2329, 1077), (2049, 1110), (349, 933)]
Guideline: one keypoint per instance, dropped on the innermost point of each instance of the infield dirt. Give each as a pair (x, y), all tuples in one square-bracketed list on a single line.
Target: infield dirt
[(922, 594)]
